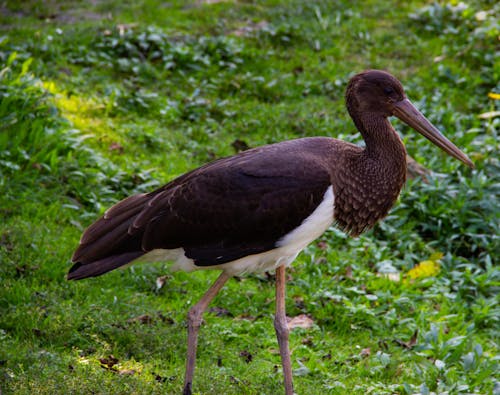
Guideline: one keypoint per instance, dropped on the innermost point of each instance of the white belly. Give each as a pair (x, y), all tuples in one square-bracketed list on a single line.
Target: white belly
[(287, 248)]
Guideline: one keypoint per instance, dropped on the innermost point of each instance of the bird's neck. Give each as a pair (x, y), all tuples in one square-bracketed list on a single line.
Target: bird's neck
[(371, 179), (383, 144)]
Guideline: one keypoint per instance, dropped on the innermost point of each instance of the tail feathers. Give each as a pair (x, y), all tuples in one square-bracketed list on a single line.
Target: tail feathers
[(110, 234), (93, 269), (120, 213), (108, 244)]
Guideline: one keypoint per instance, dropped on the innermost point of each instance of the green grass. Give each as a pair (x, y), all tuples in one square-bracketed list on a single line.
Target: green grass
[(104, 99)]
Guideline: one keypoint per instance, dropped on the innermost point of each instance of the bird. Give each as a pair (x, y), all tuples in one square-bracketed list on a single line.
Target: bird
[(258, 209)]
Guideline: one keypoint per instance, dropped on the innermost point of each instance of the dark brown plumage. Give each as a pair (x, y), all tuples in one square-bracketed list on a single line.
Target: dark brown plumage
[(258, 209), (220, 212)]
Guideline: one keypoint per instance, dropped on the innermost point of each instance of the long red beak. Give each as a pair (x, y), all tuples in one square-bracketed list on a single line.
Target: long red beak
[(409, 114)]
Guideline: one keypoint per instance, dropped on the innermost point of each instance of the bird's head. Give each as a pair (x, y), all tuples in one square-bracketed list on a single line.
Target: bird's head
[(377, 92)]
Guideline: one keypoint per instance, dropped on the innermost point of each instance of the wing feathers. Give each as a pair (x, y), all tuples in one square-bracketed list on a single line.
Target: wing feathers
[(152, 208), (127, 204), (220, 212)]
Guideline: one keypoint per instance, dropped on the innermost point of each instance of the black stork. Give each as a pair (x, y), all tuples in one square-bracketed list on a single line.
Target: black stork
[(255, 211)]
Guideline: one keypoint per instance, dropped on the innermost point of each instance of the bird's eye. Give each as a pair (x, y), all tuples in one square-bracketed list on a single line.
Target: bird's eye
[(388, 90)]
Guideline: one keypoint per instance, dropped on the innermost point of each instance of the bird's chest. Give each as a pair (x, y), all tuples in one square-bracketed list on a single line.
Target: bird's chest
[(361, 201)]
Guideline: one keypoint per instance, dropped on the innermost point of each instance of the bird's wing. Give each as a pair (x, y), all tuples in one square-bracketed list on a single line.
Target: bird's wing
[(220, 212), (221, 216)]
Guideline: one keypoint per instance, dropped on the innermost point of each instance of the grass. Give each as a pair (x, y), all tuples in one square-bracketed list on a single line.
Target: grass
[(104, 99)]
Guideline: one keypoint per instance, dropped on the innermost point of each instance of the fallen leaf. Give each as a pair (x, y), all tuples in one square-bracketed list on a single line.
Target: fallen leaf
[(300, 321), (116, 147), (390, 276), (424, 269), (109, 362), (160, 282), (489, 115), (427, 268), (126, 372), (413, 339), (410, 343), (123, 27), (322, 245), (494, 96), (365, 352)]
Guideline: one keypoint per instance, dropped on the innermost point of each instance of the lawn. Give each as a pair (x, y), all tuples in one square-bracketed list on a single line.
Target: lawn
[(103, 99)]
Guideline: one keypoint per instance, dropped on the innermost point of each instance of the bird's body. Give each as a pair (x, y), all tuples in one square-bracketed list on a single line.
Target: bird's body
[(248, 212), (257, 210)]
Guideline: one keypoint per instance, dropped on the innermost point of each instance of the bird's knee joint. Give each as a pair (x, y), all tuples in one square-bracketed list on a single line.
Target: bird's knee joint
[(281, 327), (195, 317)]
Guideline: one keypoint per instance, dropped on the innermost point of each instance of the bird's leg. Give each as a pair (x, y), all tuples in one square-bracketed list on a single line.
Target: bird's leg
[(194, 317), (281, 326)]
